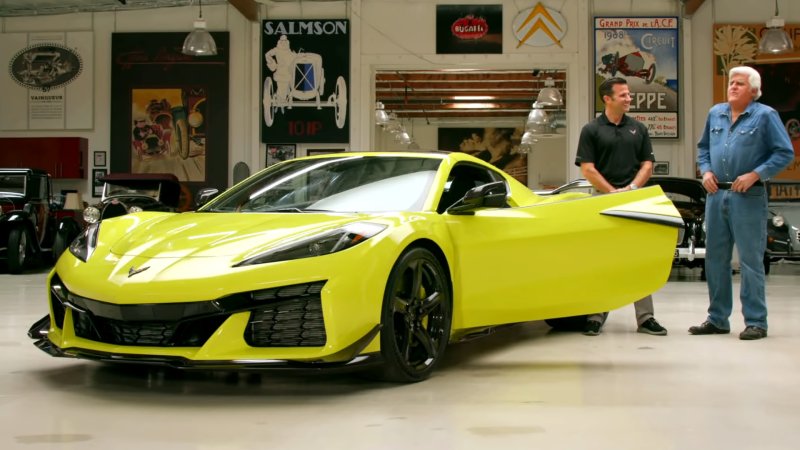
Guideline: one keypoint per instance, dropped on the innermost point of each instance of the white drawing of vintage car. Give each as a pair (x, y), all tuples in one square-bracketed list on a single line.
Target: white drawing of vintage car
[(299, 81)]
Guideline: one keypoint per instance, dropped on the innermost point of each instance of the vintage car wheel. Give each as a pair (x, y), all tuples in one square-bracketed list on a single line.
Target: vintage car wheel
[(614, 63), (17, 249), (651, 74), (416, 315), (269, 113), (340, 102), (572, 323), (767, 262), (182, 138)]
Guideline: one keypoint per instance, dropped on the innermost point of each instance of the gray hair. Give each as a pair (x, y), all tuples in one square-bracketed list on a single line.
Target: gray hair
[(753, 77)]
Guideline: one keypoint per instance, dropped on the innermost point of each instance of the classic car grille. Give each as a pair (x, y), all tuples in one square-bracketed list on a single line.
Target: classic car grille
[(293, 318), (281, 317)]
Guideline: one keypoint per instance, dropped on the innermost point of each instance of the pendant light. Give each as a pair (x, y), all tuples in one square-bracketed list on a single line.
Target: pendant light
[(199, 42)]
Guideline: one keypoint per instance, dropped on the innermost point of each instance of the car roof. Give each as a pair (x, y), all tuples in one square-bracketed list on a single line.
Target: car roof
[(19, 170)]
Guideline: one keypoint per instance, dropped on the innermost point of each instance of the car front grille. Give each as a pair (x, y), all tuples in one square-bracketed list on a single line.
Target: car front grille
[(287, 316)]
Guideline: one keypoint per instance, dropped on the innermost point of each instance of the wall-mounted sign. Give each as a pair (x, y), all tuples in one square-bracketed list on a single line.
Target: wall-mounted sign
[(539, 26), (469, 29), (306, 73), (643, 51), (48, 83)]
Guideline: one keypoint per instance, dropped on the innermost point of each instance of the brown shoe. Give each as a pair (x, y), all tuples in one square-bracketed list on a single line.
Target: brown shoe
[(707, 328), (752, 333)]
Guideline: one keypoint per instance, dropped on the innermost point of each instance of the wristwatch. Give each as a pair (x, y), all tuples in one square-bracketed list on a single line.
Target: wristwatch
[(634, 187)]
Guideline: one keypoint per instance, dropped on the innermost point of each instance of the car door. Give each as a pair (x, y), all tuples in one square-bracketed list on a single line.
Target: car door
[(557, 258)]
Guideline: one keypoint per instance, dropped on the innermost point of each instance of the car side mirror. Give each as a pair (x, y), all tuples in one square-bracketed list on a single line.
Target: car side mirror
[(205, 195), (489, 195)]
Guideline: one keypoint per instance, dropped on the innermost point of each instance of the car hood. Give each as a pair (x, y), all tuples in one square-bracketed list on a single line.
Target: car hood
[(163, 235)]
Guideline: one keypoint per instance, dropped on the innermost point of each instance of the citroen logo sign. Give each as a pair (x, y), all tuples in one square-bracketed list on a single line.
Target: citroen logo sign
[(539, 26), (133, 270)]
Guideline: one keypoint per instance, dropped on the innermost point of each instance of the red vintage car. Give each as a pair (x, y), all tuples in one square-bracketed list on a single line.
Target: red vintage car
[(630, 65)]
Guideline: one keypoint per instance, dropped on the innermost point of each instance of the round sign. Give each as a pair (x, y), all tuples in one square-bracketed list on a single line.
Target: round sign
[(45, 66)]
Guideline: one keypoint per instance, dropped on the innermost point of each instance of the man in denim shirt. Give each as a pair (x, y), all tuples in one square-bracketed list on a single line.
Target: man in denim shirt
[(743, 144)]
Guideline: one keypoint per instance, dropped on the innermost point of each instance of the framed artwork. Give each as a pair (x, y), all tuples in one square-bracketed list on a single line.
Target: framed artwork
[(323, 151), (99, 159), (97, 185), (280, 152), (644, 52), (661, 168), (497, 146), (169, 111)]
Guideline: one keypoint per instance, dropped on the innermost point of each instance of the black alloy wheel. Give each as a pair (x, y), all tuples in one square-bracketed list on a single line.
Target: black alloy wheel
[(17, 249), (416, 316)]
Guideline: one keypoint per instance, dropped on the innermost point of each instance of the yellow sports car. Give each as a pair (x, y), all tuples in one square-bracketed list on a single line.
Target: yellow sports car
[(351, 259)]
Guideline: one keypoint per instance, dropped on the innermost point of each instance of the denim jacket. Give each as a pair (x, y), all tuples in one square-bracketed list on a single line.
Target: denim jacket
[(756, 142)]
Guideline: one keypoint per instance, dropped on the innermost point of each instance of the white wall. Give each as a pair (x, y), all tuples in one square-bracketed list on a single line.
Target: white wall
[(400, 34)]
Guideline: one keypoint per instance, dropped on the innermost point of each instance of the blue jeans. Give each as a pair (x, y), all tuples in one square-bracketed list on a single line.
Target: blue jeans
[(740, 219)]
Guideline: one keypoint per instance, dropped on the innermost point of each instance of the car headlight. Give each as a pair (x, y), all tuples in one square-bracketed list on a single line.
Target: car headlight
[(83, 246), (777, 221), (321, 244), (91, 214), (135, 209)]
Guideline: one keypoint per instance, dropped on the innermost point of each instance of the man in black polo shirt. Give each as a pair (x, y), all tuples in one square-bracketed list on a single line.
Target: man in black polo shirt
[(614, 154)]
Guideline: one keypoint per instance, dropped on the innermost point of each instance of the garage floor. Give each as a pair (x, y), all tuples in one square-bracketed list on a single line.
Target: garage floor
[(524, 387)]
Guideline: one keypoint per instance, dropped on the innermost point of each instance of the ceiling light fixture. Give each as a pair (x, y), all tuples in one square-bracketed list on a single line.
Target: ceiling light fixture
[(199, 42), (775, 40), (381, 116), (549, 95)]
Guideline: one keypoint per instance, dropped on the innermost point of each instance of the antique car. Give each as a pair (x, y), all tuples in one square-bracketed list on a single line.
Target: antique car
[(29, 225), (125, 193), (630, 65), (346, 260), (783, 240), (689, 196), (783, 235)]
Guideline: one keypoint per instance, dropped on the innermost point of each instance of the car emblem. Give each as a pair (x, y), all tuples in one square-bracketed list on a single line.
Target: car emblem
[(133, 270), (632, 130)]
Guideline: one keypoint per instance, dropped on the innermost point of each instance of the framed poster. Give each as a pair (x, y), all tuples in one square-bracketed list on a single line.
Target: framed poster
[(644, 52), (498, 146), (100, 159), (97, 185), (280, 152), (306, 76), (169, 111), (661, 168), (48, 83), (463, 29)]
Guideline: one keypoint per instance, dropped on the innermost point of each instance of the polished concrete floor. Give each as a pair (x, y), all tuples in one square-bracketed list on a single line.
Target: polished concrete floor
[(523, 387)]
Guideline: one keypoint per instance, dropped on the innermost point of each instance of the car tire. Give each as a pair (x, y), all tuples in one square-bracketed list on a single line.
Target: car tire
[(415, 317), (17, 249), (572, 323), (767, 263)]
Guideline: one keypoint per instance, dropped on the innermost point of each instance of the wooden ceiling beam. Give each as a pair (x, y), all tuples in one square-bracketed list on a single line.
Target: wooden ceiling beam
[(248, 8), (691, 6)]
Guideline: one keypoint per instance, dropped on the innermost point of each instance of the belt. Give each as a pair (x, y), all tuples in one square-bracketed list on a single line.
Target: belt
[(726, 185)]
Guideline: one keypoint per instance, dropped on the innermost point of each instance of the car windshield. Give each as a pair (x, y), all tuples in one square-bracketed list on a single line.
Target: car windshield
[(342, 184), (115, 189), (12, 184)]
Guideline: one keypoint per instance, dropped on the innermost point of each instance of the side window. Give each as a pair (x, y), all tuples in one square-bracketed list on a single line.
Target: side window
[(462, 178), (38, 188)]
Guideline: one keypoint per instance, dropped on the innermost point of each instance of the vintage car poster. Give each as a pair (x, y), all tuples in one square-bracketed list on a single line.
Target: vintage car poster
[(736, 45), (469, 29), (48, 83), (306, 77), (169, 111), (643, 51), (498, 146)]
